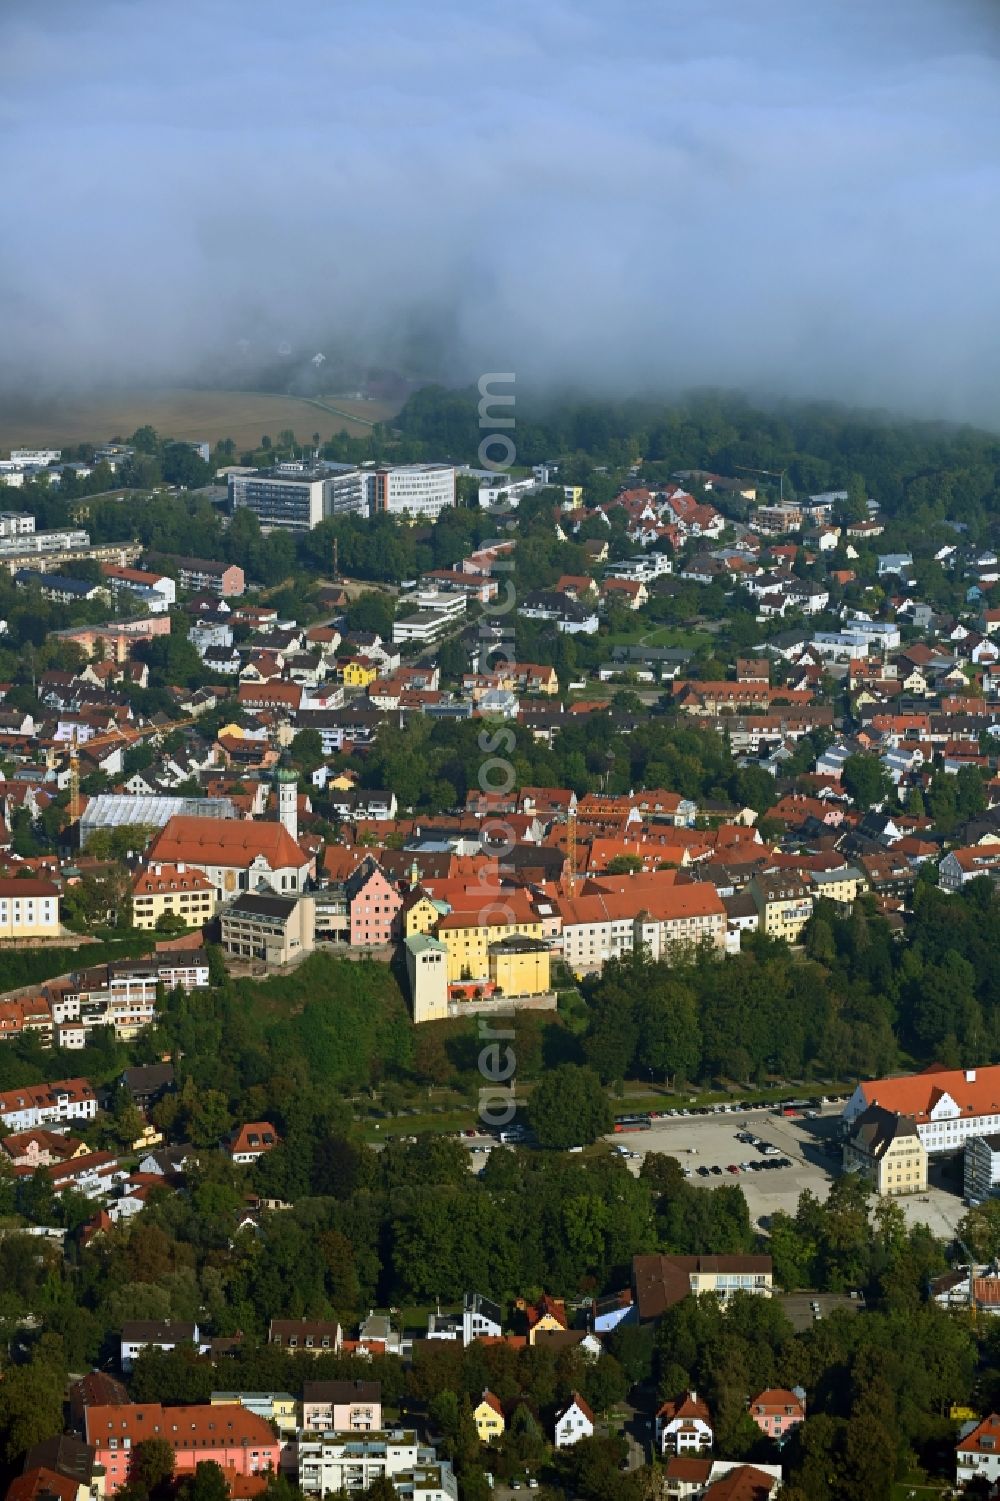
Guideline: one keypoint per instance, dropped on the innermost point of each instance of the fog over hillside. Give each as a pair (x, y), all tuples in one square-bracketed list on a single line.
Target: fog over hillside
[(782, 197)]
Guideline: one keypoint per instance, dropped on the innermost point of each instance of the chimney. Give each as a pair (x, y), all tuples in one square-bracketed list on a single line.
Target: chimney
[(970, 1076)]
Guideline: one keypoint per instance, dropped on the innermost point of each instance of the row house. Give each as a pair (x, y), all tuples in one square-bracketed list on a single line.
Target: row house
[(342, 1406), (711, 698), (91, 1173), (373, 906), (48, 1104), (27, 1015), (306, 1336)]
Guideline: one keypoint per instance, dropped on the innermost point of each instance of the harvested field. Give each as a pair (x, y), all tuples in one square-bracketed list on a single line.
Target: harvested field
[(206, 416)]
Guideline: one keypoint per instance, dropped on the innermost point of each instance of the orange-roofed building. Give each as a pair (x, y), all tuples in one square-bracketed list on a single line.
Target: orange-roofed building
[(742, 1482), (977, 1455), (948, 1106), (547, 1314), (469, 930), (252, 1140), (229, 1435), (41, 1484), (488, 1418), (685, 1426), (602, 927), (178, 890), (777, 1411), (235, 854)]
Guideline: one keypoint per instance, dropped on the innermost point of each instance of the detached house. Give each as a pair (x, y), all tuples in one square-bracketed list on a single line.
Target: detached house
[(977, 1454), (777, 1411), (685, 1426), (154, 1334), (886, 1151), (488, 1418), (573, 1422), (251, 1142), (547, 1314)]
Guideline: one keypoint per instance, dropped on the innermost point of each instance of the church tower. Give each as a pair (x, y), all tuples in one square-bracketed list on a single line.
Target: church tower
[(287, 779)]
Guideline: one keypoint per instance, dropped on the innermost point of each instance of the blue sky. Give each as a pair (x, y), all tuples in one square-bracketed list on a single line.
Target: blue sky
[(795, 198)]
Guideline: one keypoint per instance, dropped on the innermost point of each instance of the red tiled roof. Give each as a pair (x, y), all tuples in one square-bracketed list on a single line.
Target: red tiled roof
[(917, 1094), (225, 842)]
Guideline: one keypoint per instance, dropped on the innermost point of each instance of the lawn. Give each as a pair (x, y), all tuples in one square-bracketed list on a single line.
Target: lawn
[(206, 416), (644, 634), (916, 1487)]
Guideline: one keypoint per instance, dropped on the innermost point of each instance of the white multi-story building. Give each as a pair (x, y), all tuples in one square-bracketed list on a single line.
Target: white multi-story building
[(949, 1106), (413, 490), (39, 456), (65, 539), (501, 490), (29, 908), (30, 1105), (347, 493), (291, 497), (340, 1462), (16, 524)]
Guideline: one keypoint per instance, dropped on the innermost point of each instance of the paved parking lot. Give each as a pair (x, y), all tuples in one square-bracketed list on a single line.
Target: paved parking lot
[(811, 1144)]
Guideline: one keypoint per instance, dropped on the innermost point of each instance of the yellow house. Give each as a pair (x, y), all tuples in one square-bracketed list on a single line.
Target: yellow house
[(546, 1316), (488, 1418), (344, 781), (843, 885), (358, 674), (885, 1149), (784, 905), (147, 1139), (468, 936), (177, 890), (520, 966), (278, 1408), (420, 914)]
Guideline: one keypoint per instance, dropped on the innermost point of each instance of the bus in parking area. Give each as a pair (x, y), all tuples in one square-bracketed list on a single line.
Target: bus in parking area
[(633, 1123)]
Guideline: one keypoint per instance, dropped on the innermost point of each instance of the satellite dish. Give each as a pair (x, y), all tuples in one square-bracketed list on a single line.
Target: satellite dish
[(284, 348), (319, 359)]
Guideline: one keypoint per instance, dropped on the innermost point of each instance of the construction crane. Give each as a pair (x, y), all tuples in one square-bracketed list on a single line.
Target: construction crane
[(97, 742), (778, 474)]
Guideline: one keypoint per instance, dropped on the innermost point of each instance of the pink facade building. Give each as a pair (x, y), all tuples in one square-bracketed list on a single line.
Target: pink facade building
[(373, 906), (238, 1440)]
